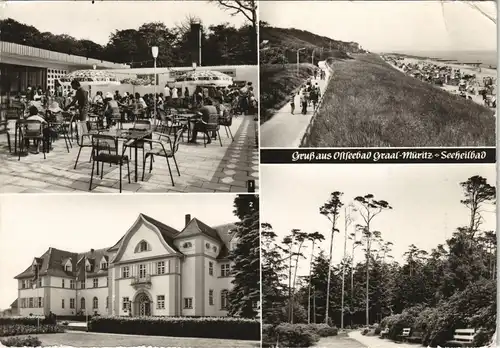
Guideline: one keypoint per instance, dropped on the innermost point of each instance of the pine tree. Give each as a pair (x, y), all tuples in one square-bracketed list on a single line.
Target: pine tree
[(245, 295)]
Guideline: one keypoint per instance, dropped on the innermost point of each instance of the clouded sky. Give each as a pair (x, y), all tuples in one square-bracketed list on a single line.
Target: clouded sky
[(30, 224), (84, 20), (425, 200), (390, 25)]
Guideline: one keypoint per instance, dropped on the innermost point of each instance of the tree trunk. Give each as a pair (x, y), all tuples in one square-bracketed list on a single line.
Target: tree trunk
[(343, 274), (309, 294), (368, 277), (295, 274), (290, 319), (329, 274)]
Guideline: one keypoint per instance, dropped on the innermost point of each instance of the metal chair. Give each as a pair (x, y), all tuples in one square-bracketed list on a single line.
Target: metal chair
[(32, 129), (105, 150), (166, 149)]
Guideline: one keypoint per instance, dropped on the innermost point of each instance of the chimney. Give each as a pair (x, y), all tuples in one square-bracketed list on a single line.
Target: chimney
[(92, 251), (187, 219)]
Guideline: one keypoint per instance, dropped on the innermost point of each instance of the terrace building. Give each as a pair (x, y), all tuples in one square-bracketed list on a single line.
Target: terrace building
[(153, 269)]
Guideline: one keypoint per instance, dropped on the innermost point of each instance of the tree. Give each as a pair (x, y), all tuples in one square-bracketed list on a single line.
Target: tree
[(331, 209), (313, 238), (369, 207), (477, 192), (245, 294), (348, 219)]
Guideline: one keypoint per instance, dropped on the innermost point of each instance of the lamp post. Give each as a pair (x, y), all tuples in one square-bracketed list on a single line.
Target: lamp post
[(298, 58), (154, 51), (312, 57)]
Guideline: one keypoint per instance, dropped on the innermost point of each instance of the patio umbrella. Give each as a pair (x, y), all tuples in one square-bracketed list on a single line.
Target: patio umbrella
[(89, 78), (207, 78)]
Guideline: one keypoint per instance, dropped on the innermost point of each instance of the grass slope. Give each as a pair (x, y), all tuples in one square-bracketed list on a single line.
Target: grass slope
[(277, 82), (369, 103)]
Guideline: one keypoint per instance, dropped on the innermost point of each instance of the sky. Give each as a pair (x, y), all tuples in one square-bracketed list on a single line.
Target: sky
[(84, 20), (390, 25), (425, 201), (30, 224)]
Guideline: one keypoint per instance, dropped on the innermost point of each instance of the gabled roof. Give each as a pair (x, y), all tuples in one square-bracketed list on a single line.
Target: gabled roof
[(93, 257), (51, 264), (195, 227), (14, 304)]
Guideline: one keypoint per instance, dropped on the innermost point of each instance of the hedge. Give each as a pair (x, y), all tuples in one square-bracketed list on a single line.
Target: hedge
[(16, 329), (295, 335), (216, 327), (324, 330), (30, 341)]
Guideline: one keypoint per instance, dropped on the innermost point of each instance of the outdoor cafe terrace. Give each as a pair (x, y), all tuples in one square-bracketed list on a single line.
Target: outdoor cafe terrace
[(202, 168)]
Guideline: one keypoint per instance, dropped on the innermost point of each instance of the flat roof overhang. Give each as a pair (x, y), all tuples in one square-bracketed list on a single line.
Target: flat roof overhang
[(11, 53)]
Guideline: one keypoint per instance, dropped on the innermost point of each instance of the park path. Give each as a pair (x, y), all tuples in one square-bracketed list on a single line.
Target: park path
[(285, 129), (376, 342)]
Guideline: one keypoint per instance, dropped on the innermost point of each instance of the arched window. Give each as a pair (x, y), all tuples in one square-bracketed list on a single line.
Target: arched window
[(142, 246), (95, 303), (82, 303), (224, 303)]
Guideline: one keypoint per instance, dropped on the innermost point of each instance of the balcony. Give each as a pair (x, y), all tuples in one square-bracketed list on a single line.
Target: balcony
[(141, 282)]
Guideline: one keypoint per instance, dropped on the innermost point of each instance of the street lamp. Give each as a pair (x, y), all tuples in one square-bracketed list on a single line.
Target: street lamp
[(154, 51), (298, 58)]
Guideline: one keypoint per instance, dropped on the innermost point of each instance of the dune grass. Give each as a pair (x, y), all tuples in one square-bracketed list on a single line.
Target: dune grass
[(369, 103), (277, 82)]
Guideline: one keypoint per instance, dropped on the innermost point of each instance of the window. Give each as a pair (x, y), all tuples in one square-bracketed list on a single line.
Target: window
[(40, 302), (188, 302), (95, 303), (160, 302), (207, 246), (211, 297), (142, 271), (67, 268), (224, 270), (39, 283), (62, 283), (88, 268), (187, 245), (223, 299), (23, 302), (82, 303), (142, 246), (71, 284), (62, 303), (23, 284), (95, 282), (72, 303), (211, 268), (35, 302), (160, 267), (125, 303), (214, 248), (107, 302), (125, 272), (82, 284)]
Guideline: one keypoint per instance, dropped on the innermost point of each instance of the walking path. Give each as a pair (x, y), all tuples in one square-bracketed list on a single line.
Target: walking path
[(285, 129), (376, 342)]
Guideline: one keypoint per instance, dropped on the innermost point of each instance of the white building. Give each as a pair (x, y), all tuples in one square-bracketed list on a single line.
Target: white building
[(153, 269)]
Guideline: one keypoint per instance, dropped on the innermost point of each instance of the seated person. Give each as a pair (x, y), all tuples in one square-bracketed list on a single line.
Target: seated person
[(48, 133), (111, 109), (209, 114)]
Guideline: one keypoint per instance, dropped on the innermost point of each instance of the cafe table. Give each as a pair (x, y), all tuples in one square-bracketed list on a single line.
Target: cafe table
[(130, 137)]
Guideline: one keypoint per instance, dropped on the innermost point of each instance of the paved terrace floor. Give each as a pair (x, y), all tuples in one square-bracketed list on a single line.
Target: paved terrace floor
[(210, 169)]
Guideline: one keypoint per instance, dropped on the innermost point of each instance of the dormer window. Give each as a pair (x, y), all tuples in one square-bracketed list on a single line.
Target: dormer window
[(214, 249), (207, 246), (142, 247), (88, 268), (187, 245), (67, 268), (104, 266)]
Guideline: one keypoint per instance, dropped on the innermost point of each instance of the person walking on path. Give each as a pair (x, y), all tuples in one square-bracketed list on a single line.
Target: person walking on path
[(292, 102)]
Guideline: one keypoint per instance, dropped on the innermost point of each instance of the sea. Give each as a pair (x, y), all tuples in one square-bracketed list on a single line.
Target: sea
[(486, 58)]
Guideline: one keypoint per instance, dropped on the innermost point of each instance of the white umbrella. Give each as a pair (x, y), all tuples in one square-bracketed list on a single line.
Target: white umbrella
[(204, 78), (90, 78)]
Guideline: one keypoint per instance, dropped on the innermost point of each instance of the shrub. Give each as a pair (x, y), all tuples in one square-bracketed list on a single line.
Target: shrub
[(30, 341), (269, 337), (217, 327), (365, 331), (22, 320), (15, 330), (378, 330), (296, 335), (324, 330)]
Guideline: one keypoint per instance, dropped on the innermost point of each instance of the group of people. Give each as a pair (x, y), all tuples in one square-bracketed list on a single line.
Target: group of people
[(308, 93)]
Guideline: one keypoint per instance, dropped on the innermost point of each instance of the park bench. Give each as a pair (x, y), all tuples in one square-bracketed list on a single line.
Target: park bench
[(416, 337), (462, 338), (384, 333), (405, 334)]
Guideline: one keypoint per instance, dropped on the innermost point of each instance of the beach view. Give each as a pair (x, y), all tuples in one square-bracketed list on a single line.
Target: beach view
[(375, 76)]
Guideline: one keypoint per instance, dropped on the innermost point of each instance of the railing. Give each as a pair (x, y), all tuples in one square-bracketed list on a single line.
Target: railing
[(13, 48), (141, 280)]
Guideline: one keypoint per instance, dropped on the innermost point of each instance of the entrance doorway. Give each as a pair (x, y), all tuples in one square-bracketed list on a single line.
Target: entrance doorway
[(144, 305)]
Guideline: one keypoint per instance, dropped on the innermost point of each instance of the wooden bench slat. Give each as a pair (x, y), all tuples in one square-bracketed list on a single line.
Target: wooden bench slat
[(471, 331)]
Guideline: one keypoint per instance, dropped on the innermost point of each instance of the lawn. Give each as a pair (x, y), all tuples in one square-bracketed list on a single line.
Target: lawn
[(369, 103), (277, 82), (340, 341), (91, 339)]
